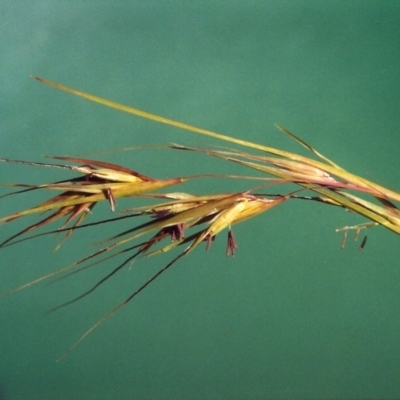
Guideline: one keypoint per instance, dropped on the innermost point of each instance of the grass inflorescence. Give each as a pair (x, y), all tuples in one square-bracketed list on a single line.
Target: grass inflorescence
[(180, 220)]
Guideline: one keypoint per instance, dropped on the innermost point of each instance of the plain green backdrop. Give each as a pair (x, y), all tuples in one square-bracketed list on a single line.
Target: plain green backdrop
[(292, 316)]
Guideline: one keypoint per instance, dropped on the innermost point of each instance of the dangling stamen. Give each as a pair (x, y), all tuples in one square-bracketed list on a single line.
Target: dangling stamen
[(231, 245), (111, 199), (363, 243)]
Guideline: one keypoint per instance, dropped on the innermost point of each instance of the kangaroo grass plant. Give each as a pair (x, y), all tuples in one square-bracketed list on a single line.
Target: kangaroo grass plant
[(183, 220)]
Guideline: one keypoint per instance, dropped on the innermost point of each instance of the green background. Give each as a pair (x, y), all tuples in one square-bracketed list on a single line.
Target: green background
[(292, 316)]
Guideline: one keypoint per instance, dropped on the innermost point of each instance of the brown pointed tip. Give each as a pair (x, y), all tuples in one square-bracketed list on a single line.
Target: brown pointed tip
[(37, 78)]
